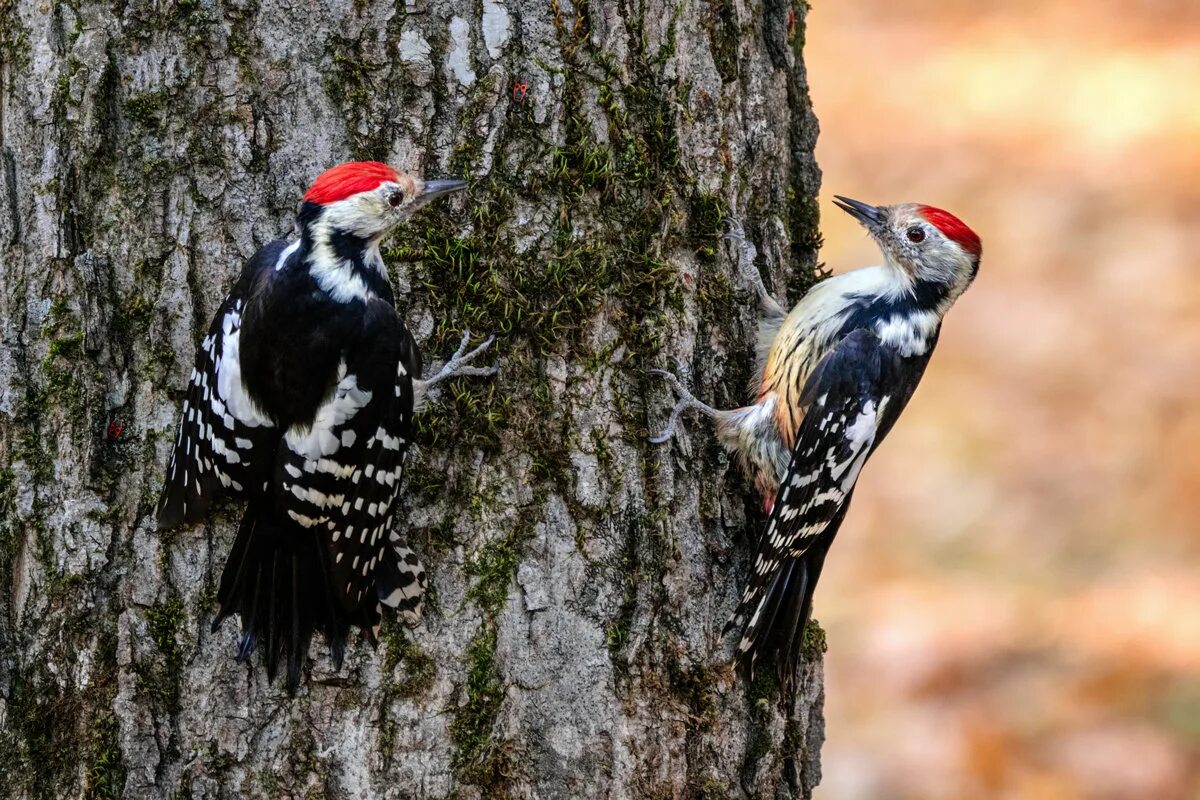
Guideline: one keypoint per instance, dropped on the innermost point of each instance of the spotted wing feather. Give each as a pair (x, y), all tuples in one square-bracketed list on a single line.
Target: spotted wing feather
[(852, 398), (223, 441)]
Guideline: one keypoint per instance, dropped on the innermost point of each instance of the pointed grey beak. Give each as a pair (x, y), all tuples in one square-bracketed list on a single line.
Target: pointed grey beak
[(432, 190), (870, 216)]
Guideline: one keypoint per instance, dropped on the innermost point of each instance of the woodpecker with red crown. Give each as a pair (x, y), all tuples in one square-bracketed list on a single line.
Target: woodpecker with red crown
[(301, 404), (835, 374)]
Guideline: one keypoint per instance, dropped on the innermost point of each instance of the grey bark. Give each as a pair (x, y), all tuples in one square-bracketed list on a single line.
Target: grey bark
[(581, 577)]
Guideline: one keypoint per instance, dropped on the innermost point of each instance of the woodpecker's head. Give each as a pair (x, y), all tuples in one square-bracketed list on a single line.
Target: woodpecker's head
[(366, 199), (344, 216), (931, 247)]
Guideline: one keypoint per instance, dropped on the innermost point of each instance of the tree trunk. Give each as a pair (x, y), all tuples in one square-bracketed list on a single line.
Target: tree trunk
[(580, 576)]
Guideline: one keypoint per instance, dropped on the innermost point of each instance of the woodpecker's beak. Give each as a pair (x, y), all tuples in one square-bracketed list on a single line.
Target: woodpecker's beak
[(870, 216), (432, 190)]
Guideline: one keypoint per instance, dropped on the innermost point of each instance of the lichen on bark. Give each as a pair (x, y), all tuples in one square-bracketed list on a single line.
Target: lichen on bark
[(580, 577)]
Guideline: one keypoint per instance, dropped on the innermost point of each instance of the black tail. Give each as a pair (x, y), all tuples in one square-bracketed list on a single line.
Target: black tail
[(777, 617), (277, 579)]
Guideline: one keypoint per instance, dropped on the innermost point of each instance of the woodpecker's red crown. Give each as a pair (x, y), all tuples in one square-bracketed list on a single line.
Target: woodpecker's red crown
[(344, 180), (953, 229)]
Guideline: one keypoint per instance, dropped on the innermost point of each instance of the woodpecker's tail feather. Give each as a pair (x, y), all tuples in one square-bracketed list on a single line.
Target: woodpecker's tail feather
[(401, 582), (772, 620), (277, 579)]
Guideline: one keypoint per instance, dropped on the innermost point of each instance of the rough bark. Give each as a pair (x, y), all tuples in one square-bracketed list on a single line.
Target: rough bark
[(581, 577)]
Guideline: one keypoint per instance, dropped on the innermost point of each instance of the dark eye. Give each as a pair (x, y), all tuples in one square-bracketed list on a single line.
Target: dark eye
[(395, 198), (916, 234)]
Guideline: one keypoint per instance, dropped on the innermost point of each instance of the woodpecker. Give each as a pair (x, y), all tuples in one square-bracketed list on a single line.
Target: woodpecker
[(301, 404), (836, 371)]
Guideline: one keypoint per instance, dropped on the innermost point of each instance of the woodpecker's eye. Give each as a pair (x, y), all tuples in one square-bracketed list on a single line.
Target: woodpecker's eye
[(395, 198), (916, 234)]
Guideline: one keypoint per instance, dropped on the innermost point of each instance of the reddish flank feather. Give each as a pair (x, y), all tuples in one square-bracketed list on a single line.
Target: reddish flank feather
[(344, 180), (953, 229)]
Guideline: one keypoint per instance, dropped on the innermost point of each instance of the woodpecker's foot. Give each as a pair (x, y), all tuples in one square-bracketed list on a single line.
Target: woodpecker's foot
[(459, 366), (686, 400), (745, 254)]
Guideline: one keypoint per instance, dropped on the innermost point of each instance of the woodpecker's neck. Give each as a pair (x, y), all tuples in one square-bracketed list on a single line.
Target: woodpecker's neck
[(932, 284), (904, 291), (346, 266), (905, 311)]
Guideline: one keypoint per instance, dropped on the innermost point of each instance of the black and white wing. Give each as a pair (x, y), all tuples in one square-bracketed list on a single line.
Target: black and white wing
[(224, 442), (852, 399), (341, 477)]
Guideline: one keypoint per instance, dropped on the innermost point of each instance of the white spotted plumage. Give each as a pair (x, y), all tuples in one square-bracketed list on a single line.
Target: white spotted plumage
[(221, 431), (355, 433)]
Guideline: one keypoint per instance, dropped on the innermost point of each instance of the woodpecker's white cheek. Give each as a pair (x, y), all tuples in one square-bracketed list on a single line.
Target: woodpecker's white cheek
[(363, 215), (942, 262)]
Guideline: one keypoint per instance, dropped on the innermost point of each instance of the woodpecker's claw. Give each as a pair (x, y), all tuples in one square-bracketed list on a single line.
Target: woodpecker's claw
[(458, 363), (733, 229), (745, 255), (459, 366), (686, 400)]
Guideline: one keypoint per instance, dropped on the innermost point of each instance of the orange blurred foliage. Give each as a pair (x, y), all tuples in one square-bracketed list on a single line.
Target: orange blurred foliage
[(1020, 617)]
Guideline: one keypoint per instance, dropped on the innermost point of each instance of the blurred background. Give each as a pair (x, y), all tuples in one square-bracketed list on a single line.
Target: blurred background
[(1013, 606)]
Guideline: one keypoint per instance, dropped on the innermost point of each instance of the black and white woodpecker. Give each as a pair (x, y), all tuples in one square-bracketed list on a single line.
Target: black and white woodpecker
[(836, 372), (301, 404)]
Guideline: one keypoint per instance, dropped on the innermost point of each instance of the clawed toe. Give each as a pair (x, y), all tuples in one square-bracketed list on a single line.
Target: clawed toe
[(745, 255), (734, 230), (686, 400), (476, 372), (459, 366), (458, 363), (463, 359)]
